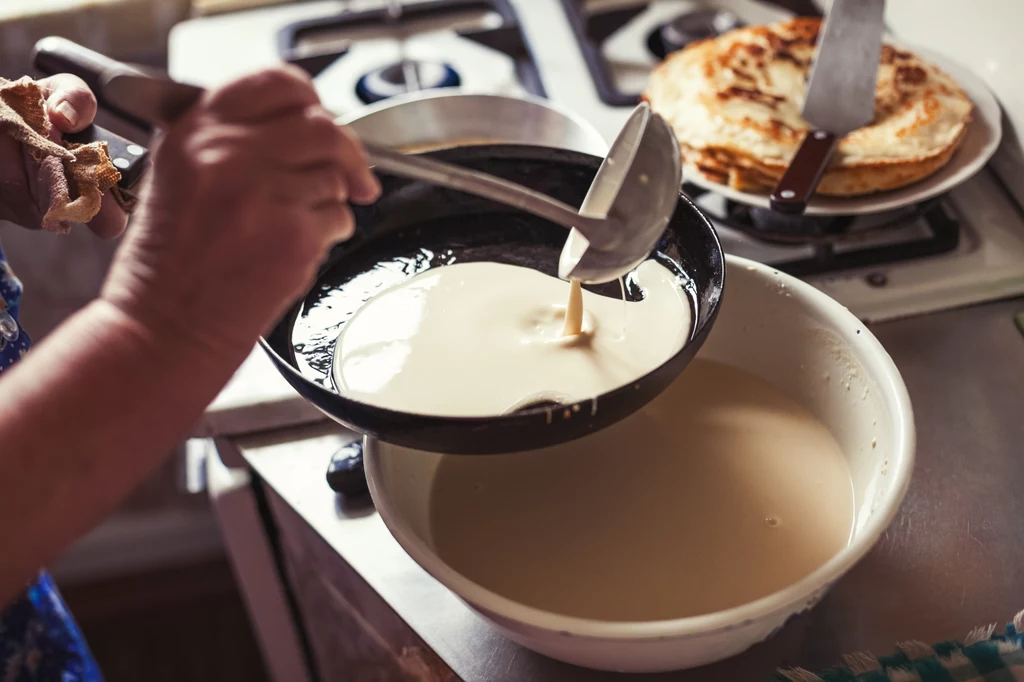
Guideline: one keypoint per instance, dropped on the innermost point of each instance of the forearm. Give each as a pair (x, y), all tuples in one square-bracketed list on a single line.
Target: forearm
[(85, 417)]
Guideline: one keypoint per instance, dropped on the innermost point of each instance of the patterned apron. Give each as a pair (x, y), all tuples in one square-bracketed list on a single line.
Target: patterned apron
[(39, 640)]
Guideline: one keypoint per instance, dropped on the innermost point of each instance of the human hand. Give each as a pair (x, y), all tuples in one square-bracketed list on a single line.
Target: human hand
[(71, 107), (246, 195)]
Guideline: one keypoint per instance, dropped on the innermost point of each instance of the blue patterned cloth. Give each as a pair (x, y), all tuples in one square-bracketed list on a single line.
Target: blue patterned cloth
[(986, 655), (39, 640), (14, 342)]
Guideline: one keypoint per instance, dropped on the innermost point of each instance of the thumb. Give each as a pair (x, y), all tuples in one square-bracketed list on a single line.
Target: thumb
[(70, 104)]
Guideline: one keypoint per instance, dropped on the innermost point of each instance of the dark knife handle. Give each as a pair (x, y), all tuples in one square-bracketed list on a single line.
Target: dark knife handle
[(798, 183), (55, 55), (129, 158)]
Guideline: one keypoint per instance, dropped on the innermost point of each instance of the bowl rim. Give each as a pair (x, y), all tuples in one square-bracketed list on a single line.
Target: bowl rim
[(878, 364), (597, 145)]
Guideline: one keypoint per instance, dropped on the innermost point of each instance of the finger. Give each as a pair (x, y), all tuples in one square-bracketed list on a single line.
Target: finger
[(298, 140), (364, 188), (70, 103), (313, 138), (335, 219), (263, 95), (309, 187), (111, 221)]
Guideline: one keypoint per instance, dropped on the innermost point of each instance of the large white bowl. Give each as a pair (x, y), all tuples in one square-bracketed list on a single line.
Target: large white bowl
[(785, 331)]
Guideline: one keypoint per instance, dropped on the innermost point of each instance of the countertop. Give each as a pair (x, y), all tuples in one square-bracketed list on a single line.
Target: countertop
[(953, 558), (256, 399)]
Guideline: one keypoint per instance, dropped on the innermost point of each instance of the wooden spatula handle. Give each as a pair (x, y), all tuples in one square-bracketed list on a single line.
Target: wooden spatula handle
[(801, 178)]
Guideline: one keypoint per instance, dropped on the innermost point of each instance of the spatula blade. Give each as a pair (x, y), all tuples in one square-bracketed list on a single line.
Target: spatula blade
[(841, 90)]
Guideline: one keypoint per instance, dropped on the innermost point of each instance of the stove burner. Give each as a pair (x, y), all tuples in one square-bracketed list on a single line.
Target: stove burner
[(314, 45), (877, 279), (777, 227), (592, 26), (390, 80), (838, 242), (689, 28)]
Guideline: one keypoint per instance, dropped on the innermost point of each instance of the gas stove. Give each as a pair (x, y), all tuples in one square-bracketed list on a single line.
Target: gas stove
[(474, 45), (622, 43), (593, 57)]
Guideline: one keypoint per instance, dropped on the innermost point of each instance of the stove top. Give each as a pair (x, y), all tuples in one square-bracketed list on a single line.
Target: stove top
[(605, 33), (593, 57), (365, 56), (804, 246)]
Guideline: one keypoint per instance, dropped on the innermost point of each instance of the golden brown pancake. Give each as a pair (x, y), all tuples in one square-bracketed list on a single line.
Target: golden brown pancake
[(735, 101)]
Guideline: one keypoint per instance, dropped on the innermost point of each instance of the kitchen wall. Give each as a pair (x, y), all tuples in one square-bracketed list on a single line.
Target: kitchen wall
[(126, 29)]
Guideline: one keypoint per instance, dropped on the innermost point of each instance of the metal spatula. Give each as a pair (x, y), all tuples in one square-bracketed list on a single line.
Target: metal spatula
[(840, 95)]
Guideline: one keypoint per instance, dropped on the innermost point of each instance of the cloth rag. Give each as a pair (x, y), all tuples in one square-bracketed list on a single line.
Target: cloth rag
[(69, 179)]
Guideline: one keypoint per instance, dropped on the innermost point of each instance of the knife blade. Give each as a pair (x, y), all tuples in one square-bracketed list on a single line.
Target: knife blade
[(53, 55), (161, 101), (840, 95)]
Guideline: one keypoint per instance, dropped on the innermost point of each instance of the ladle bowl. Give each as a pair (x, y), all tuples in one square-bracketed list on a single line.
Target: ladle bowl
[(415, 227)]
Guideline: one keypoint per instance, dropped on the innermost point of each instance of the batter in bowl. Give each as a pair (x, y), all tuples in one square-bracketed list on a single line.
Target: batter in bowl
[(720, 491)]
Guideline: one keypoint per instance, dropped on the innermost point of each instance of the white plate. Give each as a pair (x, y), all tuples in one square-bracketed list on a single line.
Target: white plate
[(979, 144)]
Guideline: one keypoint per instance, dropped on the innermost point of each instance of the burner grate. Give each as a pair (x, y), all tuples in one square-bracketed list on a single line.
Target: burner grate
[(839, 242), (592, 29), (305, 43), (690, 27)]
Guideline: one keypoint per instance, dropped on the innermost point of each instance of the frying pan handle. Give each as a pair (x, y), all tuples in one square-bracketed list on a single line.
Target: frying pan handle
[(55, 55), (800, 180)]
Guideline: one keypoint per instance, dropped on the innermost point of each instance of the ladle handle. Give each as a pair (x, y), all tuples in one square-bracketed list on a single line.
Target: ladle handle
[(159, 101), (479, 184)]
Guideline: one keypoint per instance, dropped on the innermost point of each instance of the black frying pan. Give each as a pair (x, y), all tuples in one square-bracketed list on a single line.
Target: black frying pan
[(415, 227)]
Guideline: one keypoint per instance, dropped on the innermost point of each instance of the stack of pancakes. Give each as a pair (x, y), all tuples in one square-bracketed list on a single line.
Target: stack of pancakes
[(735, 101)]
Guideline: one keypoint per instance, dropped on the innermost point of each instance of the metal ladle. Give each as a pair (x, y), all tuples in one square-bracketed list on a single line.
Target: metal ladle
[(629, 204)]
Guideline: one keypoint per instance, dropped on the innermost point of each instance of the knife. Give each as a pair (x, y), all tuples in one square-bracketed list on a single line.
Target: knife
[(55, 55), (840, 95)]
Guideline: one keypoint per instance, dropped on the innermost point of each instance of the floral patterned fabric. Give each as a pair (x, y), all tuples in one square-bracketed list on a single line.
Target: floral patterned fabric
[(39, 640), (14, 342)]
